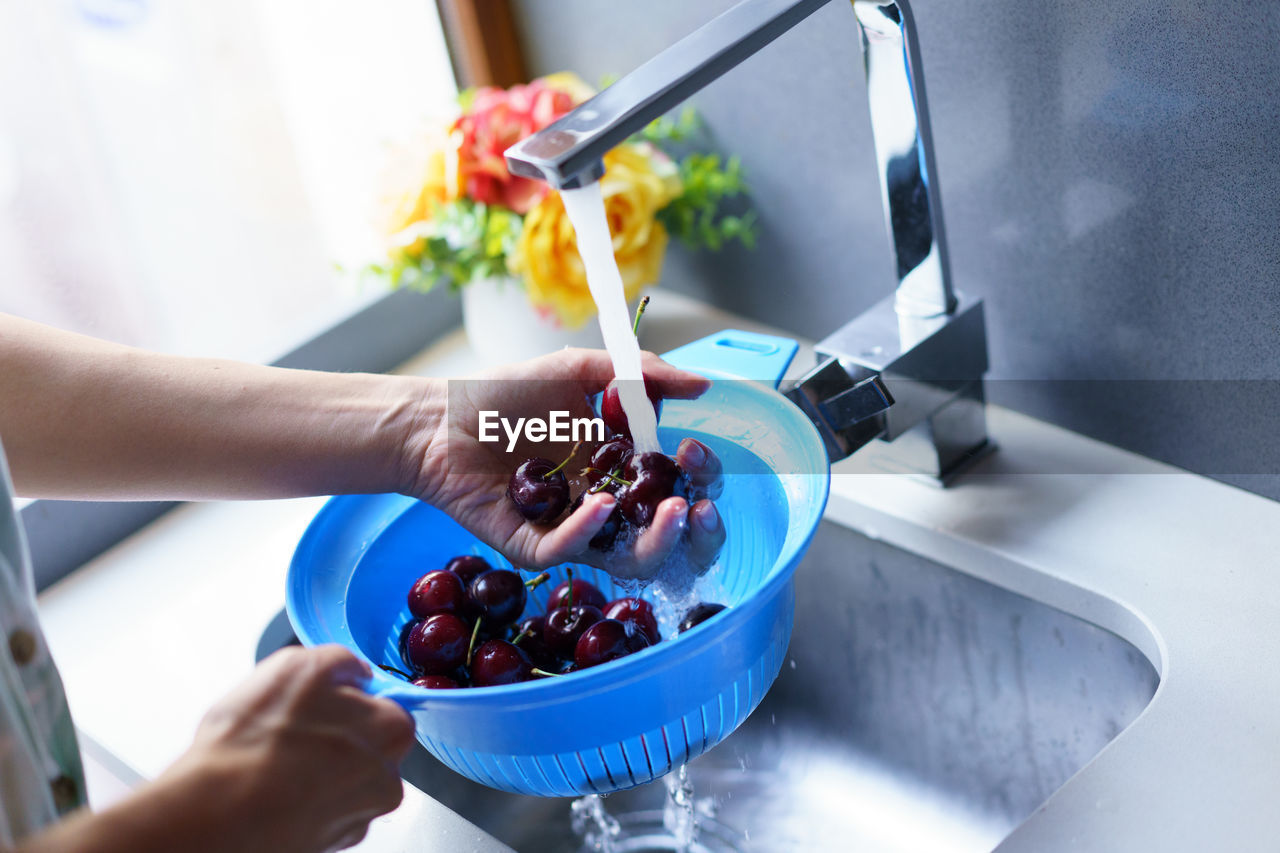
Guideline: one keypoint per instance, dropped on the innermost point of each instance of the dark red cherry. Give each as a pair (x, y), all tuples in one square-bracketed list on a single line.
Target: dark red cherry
[(698, 614), (467, 567), (499, 662), (584, 592), (606, 640), (403, 643), (499, 596), (565, 625), (539, 490), (437, 645), (435, 592), (637, 612), (435, 682), (615, 419), (609, 457), (653, 478), (528, 636)]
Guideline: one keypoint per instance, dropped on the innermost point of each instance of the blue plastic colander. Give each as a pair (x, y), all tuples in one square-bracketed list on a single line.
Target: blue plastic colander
[(635, 719)]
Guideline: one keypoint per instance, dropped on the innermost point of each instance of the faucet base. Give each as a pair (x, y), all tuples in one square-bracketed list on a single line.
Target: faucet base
[(943, 446)]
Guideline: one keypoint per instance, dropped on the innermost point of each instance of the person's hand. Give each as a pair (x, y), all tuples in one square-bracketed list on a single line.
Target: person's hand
[(468, 478), (299, 757)]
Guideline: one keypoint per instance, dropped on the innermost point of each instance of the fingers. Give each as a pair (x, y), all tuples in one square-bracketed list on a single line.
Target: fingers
[(390, 728), (594, 370), (671, 381), (699, 530), (661, 538), (338, 675), (572, 537), (339, 665), (706, 473), (706, 534)]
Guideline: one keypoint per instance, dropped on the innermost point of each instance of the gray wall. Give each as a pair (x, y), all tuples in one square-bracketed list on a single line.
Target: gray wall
[(1109, 175)]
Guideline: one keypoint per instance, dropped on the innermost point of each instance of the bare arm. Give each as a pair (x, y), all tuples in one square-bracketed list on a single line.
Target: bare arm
[(295, 759), (84, 418)]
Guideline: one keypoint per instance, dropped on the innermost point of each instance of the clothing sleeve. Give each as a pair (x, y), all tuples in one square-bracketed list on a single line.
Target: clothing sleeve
[(41, 777)]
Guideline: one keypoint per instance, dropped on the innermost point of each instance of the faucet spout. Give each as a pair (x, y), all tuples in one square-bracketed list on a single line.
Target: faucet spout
[(569, 151)]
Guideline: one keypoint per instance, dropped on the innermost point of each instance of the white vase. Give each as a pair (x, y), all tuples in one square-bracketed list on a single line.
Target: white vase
[(502, 326)]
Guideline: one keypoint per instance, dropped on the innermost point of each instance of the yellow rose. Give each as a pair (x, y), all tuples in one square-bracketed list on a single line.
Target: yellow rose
[(419, 178), (638, 182)]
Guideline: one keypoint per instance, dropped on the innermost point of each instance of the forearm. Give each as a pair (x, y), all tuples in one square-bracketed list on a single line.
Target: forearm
[(83, 418)]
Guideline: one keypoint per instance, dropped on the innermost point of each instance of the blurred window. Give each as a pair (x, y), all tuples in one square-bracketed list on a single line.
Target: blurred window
[(186, 175)]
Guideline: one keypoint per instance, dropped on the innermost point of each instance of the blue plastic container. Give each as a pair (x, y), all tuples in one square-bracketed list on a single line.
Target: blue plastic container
[(635, 719)]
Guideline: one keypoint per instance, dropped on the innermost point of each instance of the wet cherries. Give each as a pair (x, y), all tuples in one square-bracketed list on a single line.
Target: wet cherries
[(604, 641), (437, 645), (477, 634), (637, 612), (651, 479), (611, 411), (698, 614), (539, 490), (500, 662), (437, 592)]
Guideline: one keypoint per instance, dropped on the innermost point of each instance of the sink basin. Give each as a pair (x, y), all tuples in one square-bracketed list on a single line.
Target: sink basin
[(919, 709)]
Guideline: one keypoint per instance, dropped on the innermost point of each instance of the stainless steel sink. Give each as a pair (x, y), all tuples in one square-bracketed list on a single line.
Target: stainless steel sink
[(920, 709)]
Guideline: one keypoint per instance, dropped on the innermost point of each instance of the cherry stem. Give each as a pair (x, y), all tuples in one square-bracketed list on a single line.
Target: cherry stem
[(525, 633), (556, 470), (537, 580), (635, 324), (569, 598), (606, 475), (471, 647), (385, 668), (542, 673)]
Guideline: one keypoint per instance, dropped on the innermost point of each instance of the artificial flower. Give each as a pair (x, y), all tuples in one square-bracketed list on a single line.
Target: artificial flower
[(454, 213), (639, 181), (496, 119)]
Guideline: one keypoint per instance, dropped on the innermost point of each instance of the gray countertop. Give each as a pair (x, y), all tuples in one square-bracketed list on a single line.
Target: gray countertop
[(1180, 566)]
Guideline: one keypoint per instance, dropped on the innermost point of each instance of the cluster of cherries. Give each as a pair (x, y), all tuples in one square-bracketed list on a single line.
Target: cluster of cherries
[(467, 629), (639, 482)]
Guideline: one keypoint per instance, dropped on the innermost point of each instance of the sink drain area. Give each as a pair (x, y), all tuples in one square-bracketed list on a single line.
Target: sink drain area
[(646, 832)]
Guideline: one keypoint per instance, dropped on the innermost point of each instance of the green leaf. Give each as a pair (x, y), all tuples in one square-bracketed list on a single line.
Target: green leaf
[(465, 241)]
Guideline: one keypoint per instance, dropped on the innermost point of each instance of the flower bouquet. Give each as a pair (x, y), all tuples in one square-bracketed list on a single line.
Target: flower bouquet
[(454, 215)]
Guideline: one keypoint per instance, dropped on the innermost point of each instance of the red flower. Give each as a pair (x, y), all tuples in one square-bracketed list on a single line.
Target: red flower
[(496, 120)]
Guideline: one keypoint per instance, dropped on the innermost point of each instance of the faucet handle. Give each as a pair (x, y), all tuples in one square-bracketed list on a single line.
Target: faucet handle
[(847, 410), (866, 399)]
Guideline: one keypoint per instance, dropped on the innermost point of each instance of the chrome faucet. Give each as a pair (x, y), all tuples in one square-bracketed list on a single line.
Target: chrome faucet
[(908, 370)]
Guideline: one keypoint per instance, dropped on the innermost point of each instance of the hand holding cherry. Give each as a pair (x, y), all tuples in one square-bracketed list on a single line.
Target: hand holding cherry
[(651, 502), (652, 492), (450, 468)]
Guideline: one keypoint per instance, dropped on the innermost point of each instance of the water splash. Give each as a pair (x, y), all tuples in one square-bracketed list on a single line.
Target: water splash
[(597, 829), (678, 812)]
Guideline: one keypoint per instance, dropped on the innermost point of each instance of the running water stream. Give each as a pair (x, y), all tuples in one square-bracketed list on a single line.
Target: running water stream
[(585, 207)]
